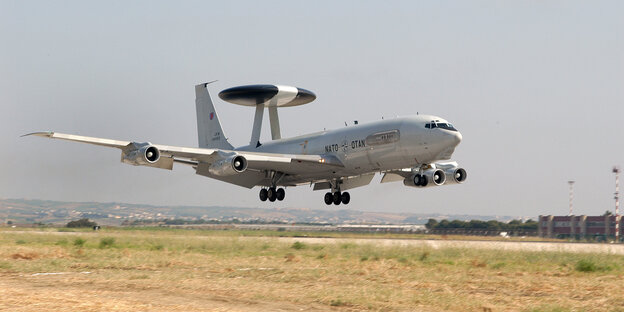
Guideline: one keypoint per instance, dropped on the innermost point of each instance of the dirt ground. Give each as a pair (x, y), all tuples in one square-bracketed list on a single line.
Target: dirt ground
[(172, 271), (82, 292)]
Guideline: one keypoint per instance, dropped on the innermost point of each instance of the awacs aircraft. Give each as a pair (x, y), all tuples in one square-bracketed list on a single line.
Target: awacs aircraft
[(414, 149)]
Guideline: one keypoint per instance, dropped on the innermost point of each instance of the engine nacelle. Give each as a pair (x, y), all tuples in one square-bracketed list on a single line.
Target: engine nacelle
[(228, 166), (455, 175), (430, 177), (144, 155)]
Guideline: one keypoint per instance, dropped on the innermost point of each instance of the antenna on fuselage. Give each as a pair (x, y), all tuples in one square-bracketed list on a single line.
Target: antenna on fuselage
[(269, 96)]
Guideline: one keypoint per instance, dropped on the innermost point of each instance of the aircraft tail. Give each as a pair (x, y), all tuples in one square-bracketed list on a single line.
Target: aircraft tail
[(209, 130)]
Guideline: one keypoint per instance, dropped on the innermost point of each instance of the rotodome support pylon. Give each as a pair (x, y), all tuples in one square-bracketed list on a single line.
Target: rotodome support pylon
[(269, 96)]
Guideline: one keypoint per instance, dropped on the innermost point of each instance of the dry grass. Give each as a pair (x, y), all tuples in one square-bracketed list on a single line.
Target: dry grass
[(172, 270)]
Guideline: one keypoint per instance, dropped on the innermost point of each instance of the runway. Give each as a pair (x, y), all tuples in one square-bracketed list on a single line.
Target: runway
[(605, 248), (474, 244)]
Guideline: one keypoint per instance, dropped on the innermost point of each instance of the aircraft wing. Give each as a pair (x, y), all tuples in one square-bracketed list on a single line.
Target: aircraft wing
[(135, 153)]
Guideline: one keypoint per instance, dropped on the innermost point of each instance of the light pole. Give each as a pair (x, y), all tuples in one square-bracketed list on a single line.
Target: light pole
[(571, 195), (616, 170)]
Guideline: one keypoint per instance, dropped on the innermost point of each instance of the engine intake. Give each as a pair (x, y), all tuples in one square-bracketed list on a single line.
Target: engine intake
[(150, 153)]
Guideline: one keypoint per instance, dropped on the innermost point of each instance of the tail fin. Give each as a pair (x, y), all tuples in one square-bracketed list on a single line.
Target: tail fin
[(209, 129)]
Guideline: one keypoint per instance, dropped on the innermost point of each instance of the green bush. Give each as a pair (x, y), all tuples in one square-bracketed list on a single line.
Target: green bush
[(337, 303), (107, 242), (82, 223), (586, 266), (157, 247), (298, 245), (79, 242)]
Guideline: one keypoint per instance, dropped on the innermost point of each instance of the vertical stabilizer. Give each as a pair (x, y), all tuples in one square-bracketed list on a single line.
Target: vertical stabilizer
[(209, 130)]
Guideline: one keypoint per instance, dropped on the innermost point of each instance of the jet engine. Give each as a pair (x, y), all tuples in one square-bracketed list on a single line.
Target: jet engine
[(145, 154), (455, 175), (430, 177), (142, 155), (228, 166)]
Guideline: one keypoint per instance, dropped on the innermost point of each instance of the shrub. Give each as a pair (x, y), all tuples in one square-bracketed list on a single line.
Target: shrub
[(157, 247), (589, 266), (586, 266), (337, 303), (82, 223), (107, 242), (79, 242), (298, 245)]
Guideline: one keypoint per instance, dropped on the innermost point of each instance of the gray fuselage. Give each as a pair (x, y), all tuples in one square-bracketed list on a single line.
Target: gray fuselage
[(391, 144)]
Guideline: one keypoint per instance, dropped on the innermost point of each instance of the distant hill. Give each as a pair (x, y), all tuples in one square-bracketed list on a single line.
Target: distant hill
[(20, 211)]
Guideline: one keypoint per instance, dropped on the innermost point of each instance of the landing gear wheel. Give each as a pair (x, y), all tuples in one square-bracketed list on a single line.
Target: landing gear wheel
[(417, 179), (264, 194), (280, 194), (329, 198), (423, 180), (337, 198), (345, 198), (272, 193)]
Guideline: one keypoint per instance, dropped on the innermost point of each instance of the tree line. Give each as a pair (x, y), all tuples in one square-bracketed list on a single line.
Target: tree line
[(493, 225)]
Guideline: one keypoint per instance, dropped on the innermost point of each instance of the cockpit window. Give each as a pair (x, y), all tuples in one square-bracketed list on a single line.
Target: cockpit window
[(446, 126)]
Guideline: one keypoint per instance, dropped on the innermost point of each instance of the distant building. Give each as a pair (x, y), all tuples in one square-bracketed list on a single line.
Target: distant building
[(599, 227)]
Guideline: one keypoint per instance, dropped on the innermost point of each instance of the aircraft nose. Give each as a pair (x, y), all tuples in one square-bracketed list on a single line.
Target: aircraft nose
[(457, 137)]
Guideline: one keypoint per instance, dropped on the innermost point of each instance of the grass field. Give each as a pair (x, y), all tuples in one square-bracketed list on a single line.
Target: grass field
[(186, 270)]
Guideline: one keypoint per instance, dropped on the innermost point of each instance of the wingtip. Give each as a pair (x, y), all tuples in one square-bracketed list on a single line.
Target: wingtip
[(47, 134)]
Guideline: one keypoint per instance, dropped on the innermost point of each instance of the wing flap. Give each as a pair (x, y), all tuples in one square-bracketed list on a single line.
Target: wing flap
[(391, 177)]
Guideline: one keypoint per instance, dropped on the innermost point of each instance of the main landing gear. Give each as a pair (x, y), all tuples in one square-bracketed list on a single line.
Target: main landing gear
[(272, 194), (337, 197)]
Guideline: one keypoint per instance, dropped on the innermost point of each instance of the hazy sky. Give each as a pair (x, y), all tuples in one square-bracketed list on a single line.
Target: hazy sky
[(535, 87)]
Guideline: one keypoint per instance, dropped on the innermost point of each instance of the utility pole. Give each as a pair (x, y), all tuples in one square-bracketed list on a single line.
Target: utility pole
[(571, 195), (616, 170)]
